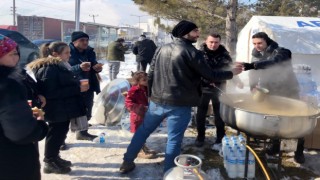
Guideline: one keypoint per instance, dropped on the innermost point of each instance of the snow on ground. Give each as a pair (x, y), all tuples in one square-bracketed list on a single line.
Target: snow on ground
[(102, 161)]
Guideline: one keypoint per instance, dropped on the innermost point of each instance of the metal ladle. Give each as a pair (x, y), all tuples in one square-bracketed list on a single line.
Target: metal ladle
[(260, 94)]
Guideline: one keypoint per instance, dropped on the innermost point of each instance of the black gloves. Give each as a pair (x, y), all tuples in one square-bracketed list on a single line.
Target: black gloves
[(248, 66)]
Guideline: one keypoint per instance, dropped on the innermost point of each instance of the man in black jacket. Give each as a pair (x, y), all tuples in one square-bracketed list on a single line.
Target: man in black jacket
[(174, 82), (272, 69), (218, 58), (144, 50), (84, 64)]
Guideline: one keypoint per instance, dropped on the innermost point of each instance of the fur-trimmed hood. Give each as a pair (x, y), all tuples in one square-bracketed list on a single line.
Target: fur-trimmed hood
[(38, 63)]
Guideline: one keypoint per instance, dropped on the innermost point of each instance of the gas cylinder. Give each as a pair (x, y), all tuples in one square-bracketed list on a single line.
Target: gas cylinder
[(188, 168)]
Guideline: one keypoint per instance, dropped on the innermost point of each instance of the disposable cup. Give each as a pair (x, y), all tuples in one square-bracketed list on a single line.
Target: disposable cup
[(84, 81)]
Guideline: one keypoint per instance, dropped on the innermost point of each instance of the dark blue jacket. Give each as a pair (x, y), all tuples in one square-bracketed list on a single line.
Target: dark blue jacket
[(77, 58)]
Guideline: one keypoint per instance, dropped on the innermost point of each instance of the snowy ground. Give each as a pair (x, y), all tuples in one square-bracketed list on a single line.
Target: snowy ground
[(102, 161)]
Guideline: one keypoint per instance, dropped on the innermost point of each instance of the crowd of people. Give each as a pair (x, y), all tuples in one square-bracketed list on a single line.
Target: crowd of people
[(180, 77)]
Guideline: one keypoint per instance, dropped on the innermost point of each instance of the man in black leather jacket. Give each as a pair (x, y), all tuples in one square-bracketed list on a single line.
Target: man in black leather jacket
[(272, 69), (174, 83)]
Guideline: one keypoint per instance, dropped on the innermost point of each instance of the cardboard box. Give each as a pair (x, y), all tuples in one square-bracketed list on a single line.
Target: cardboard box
[(312, 141)]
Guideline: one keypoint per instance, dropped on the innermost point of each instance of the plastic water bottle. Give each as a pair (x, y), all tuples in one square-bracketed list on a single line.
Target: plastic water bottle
[(232, 164), (225, 150), (102, 138), (251, 166), (240, 163)]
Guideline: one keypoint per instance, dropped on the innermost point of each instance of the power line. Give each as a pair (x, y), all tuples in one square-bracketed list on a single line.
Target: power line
[(47, 6)]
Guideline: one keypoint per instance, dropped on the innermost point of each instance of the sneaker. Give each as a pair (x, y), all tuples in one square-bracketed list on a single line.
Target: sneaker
[(199, 143), (127, 167), (299, 158), (63, 162), (146, 155), (53, 166), (216, 147)]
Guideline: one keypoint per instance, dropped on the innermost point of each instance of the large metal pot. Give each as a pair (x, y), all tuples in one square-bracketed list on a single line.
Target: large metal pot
[(109, 106), (275, 117)]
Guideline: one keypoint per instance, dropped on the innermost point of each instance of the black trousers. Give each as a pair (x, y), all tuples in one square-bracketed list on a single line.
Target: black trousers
[(88, 101), (142, 66), (56, 135), (300, 145), (202, 113)]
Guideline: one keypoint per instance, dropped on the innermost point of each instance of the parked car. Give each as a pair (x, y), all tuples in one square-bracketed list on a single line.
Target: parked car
[(28, 50), (39, 42)]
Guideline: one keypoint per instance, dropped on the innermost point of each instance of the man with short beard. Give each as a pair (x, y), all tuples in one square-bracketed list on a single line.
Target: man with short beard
[(174, 84)]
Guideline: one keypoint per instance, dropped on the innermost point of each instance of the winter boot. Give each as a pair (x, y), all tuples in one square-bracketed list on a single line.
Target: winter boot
[(126, 167), (64, 162), (53, 165), (146, 155), (146, 149), (84, 135), (199, 142)]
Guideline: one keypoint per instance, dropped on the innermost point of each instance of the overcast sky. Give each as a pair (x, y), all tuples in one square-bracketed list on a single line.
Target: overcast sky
[(111, 12)]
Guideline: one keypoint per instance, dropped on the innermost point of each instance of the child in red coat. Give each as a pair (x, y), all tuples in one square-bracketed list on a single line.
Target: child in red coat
[(137, 104)]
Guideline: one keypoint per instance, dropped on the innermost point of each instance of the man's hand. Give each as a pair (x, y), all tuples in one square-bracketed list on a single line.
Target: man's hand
[(237, 68), (248, 66), (38, 113), (98, 67), (42, 100), (85, 66)]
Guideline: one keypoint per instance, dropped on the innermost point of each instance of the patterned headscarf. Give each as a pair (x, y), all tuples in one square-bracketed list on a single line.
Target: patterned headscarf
[(6, 45)]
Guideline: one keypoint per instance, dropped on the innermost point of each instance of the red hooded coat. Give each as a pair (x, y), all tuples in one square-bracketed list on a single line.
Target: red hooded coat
[(136, 102)]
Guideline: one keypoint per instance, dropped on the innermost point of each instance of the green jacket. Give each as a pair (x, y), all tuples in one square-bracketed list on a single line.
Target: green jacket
[(115, 51)]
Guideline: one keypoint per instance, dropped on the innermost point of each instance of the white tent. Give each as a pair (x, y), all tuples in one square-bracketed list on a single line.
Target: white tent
[(299, 34)]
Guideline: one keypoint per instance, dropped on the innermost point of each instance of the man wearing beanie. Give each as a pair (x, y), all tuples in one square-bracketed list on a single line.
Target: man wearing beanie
[(174, 88), (84, 64)]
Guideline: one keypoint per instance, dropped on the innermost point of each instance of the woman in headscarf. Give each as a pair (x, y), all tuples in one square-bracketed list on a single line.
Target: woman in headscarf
[(20, 128)]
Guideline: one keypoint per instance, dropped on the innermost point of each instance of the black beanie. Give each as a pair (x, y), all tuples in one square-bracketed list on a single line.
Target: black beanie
[(77, 35), (183, 28)]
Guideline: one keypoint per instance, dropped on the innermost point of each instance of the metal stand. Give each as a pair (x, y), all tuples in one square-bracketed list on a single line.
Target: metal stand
[(257, 143)]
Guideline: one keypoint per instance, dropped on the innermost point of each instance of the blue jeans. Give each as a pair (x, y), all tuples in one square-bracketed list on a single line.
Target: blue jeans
[(178, 118)]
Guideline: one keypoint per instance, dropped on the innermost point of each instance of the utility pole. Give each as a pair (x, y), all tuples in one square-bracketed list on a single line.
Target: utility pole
[(77, 15), (14, 12), (139, 16), (92, 15)]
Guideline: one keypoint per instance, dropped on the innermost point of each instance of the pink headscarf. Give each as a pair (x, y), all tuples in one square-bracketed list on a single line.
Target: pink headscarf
[(6, 45)]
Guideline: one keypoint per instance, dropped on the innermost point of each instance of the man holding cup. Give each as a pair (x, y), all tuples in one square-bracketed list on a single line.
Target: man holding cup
[(85, 66)]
